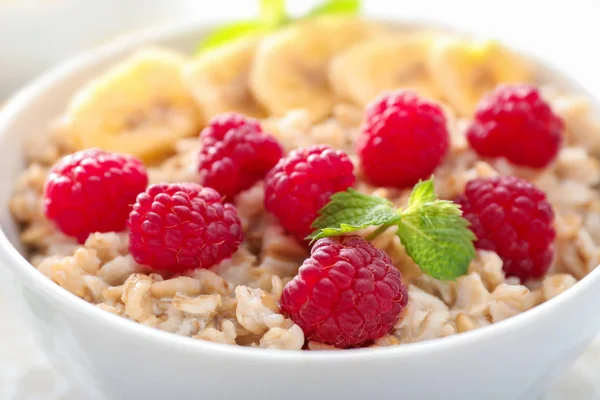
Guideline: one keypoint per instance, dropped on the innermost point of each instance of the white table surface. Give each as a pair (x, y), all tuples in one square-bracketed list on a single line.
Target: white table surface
[(564, 32)]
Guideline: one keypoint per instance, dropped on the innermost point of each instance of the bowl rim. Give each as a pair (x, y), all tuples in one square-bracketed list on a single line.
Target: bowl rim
[(14, 261)]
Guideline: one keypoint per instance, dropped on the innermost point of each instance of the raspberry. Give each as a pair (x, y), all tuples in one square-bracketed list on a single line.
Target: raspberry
[(513, 218), (346, 294), (175, 227), (235, 153), (516, 123), (301, 184), (403, 139), (92, 191)]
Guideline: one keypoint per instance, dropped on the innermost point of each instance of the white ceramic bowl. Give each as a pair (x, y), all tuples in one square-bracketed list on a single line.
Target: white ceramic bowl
[(514, 359)]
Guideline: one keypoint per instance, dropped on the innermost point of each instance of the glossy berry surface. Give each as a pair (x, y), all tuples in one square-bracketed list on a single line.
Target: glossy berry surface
[(513, 218), (302, 183), (235, 153), (404, 138), (346, 294), (516, 123), (176, 227), (92, 191)]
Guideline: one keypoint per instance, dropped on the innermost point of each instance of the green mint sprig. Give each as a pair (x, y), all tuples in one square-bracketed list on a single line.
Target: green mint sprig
[(272, 16), (332, 7), (433, 231)]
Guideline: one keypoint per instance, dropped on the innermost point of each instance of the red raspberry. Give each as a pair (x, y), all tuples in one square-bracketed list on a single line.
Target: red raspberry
[(175, 227), (92, 191), (346, 294), (516, 123), (513, 218), (301, 184), (235, 153), (403, 139)]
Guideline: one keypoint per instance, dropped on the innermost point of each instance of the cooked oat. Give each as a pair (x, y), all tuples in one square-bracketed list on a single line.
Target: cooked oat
[(237, 301)]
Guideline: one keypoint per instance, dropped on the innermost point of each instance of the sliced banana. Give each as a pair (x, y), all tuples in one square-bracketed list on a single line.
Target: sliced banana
[(466, 69), (290, 67), (362, 72), (139, 106), (218, 79)]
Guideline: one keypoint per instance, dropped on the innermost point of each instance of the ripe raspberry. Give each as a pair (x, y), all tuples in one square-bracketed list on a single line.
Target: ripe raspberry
[(92, 191), (235, 153), (516, 123), (301, 184), (513, 218), (403, 139), (346, 294), (175, 227)]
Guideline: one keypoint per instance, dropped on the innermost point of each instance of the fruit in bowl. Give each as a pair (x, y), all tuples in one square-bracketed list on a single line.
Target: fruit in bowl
[(313, 221)]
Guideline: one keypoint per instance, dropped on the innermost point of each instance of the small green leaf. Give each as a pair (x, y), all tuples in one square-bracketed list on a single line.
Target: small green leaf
[(350, 211), (336, 7), (435, 234), (272, 12), (423, 192), (230, 32)]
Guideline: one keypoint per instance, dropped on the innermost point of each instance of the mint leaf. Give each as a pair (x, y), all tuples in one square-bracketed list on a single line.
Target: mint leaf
[(350, 211), (423, 192), (272, 12), (230, 32), (336, 7), (435, 235), (272, 16), (433, 231)]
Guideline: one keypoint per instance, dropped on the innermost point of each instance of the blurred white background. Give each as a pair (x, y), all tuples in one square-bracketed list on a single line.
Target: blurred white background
[(37, 34)]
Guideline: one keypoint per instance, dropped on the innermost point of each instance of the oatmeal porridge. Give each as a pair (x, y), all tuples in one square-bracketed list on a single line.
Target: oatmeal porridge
[(124, 206)]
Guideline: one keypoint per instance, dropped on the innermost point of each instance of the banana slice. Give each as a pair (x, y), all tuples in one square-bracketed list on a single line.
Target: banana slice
[(385, 63), (218, 79), (139, 106), (290, 67), (466, 69)]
